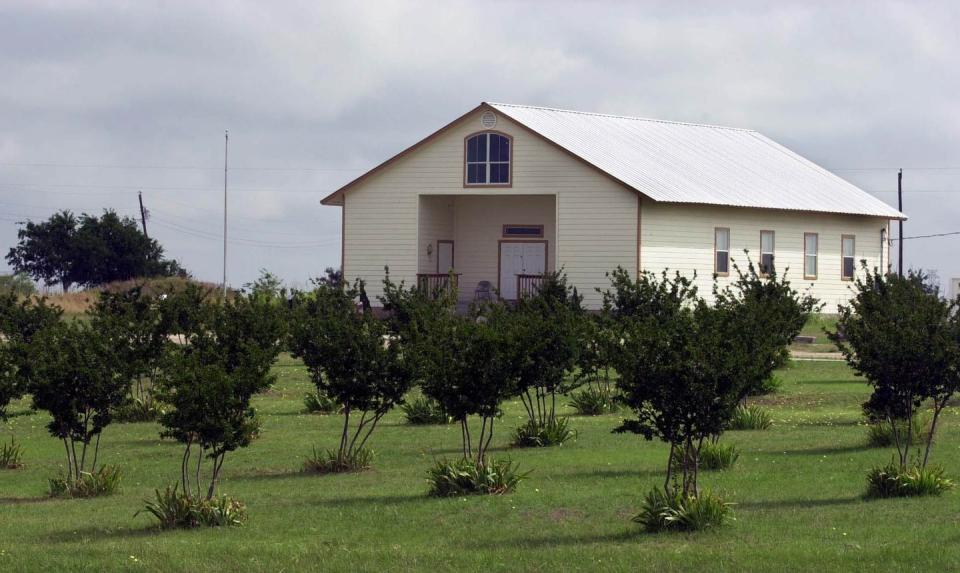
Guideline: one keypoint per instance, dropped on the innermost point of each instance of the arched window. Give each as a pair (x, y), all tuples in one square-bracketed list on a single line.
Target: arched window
[(487, 159)]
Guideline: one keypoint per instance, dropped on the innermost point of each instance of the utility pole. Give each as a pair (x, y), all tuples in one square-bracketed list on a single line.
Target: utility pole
[(226, 143), (900, 208), (143, 214)]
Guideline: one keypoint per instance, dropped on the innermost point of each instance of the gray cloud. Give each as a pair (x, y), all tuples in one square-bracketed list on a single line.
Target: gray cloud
[(336, 88)]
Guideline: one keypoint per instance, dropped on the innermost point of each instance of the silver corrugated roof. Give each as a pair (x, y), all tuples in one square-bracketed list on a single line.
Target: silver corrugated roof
[(691, 163)]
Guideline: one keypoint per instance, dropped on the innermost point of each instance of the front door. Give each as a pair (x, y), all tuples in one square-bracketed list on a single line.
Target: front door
[(444, 257), (519, 258)]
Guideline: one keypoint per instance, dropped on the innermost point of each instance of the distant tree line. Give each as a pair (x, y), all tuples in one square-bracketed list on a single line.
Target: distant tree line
[(87, 251)]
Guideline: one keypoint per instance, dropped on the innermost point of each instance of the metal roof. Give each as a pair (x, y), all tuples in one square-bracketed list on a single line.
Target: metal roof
[(678, 162)]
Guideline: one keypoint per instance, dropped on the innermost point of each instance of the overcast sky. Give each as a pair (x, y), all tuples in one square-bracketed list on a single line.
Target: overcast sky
[(101, 99)]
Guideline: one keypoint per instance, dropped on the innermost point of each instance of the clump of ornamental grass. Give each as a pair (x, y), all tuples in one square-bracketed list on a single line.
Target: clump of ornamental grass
[(330, 462), (665, 511), (137, 410), (750, 418), (712, 456), (11, 455), (536, 434), (317, 402), (892, 480), (466, 477), (593, 401), (176, 509), (881, 433), (104, 481), (424, 411)]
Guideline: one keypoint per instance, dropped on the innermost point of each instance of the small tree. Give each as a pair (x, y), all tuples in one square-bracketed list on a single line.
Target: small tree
[(352, 359), (905, 340), (230, 347), (766, 314), (139, 332), (549, 334), (20, 321), (78, 377), (677, 373)]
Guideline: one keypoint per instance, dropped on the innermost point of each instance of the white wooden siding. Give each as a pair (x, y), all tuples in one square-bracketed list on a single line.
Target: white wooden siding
[(595, 216), (680, 237)]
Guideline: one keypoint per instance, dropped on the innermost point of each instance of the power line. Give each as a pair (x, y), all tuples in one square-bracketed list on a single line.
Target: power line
[(928, 236), (944, 168), (131, 188), (180, 167)]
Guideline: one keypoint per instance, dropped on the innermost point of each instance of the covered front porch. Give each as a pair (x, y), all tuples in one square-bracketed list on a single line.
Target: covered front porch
[(494, 245)]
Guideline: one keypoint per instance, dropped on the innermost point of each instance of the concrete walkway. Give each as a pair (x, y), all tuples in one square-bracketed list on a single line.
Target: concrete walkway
[(822, 356)]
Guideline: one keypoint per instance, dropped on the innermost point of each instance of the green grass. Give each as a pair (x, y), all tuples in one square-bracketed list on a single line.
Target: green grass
[(798, 488)]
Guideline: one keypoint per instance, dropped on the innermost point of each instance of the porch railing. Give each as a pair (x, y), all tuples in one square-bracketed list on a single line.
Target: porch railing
[(434, 282), (528, 284)]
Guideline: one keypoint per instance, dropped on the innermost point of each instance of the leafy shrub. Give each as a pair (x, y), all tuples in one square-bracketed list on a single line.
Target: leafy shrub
[(328, 462), (713, 456), (551, 432), (424, 411), (893, 481), (664, 511), (466, 477), (750, 418), (593, 401), (770, 385), (319, 403), (176, 509), (11, 455), (104, 481), (137, 410), (880, 432)]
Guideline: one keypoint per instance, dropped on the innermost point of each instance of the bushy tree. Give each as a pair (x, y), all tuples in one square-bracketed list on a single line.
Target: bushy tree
[(766, 314), (139, 331), (20, 322), (228, 350), (905, 340), (78, 377), (677, 373), (17, 283), (470, 365), (549, 336), (88, 250), (353, 359)]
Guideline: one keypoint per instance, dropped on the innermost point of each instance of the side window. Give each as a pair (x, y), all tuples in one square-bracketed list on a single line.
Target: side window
[(848, 250), (766, 252), (721, 251), (811, 244)]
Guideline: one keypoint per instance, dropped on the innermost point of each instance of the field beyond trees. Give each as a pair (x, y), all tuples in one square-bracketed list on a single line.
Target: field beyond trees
[(800, 486)]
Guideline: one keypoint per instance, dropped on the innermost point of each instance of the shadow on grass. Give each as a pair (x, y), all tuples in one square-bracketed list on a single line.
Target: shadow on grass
[(97, 533), (613, 473), (25, 500), (559, 540), (797, 503), (375, 500), (831, 450)]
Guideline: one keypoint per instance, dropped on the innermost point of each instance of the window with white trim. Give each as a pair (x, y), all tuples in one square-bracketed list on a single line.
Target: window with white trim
[(766, 252), (848, 245), (487, 159), (721, 251), (811, 244)]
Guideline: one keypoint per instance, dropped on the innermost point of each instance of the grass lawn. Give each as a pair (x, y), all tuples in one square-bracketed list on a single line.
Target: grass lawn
[(798, 488)]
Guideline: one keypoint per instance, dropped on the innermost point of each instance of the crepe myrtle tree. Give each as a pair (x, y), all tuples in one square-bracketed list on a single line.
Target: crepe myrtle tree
[(905, 340), (20, 321), (78, 377), (549, 329), (139, 331), (677, 372), (766, 314), (353, 359), (208, 381), (469, 365)]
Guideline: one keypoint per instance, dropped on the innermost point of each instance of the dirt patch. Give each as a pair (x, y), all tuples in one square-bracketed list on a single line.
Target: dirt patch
[(562, 514)]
